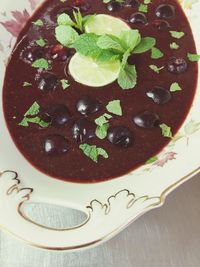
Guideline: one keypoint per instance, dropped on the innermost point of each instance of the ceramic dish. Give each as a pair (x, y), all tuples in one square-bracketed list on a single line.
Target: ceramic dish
[(110, 206)]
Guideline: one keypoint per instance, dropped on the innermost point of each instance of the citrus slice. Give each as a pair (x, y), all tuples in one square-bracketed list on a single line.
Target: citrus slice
[(86, 71), (105, 24)]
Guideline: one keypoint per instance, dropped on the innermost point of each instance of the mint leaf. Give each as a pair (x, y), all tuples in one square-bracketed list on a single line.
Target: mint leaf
[(38, 23), (130, 39), (78, 20), (156, 53), (33, 110), (65, 84), (143, 8), (109, 42), (175, 87), (155, 68), (193, 57), (166, 130), (101, 131), (176, 34), (114, 107), (66, 35), (125, 58), (127, 78), (41, 63), (152, 160), (93, 152), (65, 19), (86, 45), (27, 84), (147, 2), (146, 44), (41, 42), (100, 121), (174, 45)]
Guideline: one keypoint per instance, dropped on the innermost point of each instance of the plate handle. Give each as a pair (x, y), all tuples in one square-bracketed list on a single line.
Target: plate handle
[(103, 220)]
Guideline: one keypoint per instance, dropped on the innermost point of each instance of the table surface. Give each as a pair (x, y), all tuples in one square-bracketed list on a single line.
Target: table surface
[(168, 236)]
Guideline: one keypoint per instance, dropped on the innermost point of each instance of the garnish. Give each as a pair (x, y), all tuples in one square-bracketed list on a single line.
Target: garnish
[(102, 131), (38, 23), (175, 87), (193, 57), (174, 45), (65, 84), (176, 34), (27, 84), (114, 107), (156, 53), (102, 125), (78, 22), (29, 117), (41, 42), (152, 160), (147, 2), (127, 78), (104, 48), (103, 119), (155, 68), (66, 35), (166, 130), (108, 1), (143, 8), (93, 152), (41, 63)]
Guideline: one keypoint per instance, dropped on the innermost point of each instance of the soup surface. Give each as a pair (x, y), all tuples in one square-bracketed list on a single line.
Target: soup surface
[(81, 118)]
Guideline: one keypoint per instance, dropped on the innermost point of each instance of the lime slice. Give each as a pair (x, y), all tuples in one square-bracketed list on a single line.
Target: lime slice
[(86, 71), (105, 24)]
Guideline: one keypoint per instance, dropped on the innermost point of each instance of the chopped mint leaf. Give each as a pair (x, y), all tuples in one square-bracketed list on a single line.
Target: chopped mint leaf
[(101, 131), (127, 78), (114, 107), (65, 19), (155, 68), (106, 1), (33, 110), (41, 63), (100, 121), (156, 53), (166, 130), (65, 84), (143, 8), (176, 34), (27, 84), (175, 87), (146, 2), (152, 160), (66, 35), (146, 44), (130, 39), (38, 23), (193, 57), (174, 45), (36, 120), (93, 152), (109, 42), (41, 42)]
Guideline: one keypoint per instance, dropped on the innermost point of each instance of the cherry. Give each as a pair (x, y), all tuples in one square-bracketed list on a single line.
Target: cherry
[(120, 136), (55, 145), (147, 120), (159, 95)]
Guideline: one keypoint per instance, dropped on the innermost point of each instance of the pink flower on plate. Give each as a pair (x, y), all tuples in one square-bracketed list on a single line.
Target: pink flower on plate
[(14, 26), (168, 156)]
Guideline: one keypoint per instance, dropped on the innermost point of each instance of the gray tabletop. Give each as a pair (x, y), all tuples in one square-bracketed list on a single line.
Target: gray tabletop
[(169, 236)]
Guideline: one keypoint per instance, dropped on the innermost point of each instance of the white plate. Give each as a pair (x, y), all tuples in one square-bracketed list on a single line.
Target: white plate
[(110, 206)]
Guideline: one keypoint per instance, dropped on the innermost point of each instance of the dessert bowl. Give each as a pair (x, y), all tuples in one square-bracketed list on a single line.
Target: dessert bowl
[(110, 206)]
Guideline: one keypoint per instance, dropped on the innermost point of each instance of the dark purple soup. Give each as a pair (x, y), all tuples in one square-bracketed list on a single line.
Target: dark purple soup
[(86, 134)]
